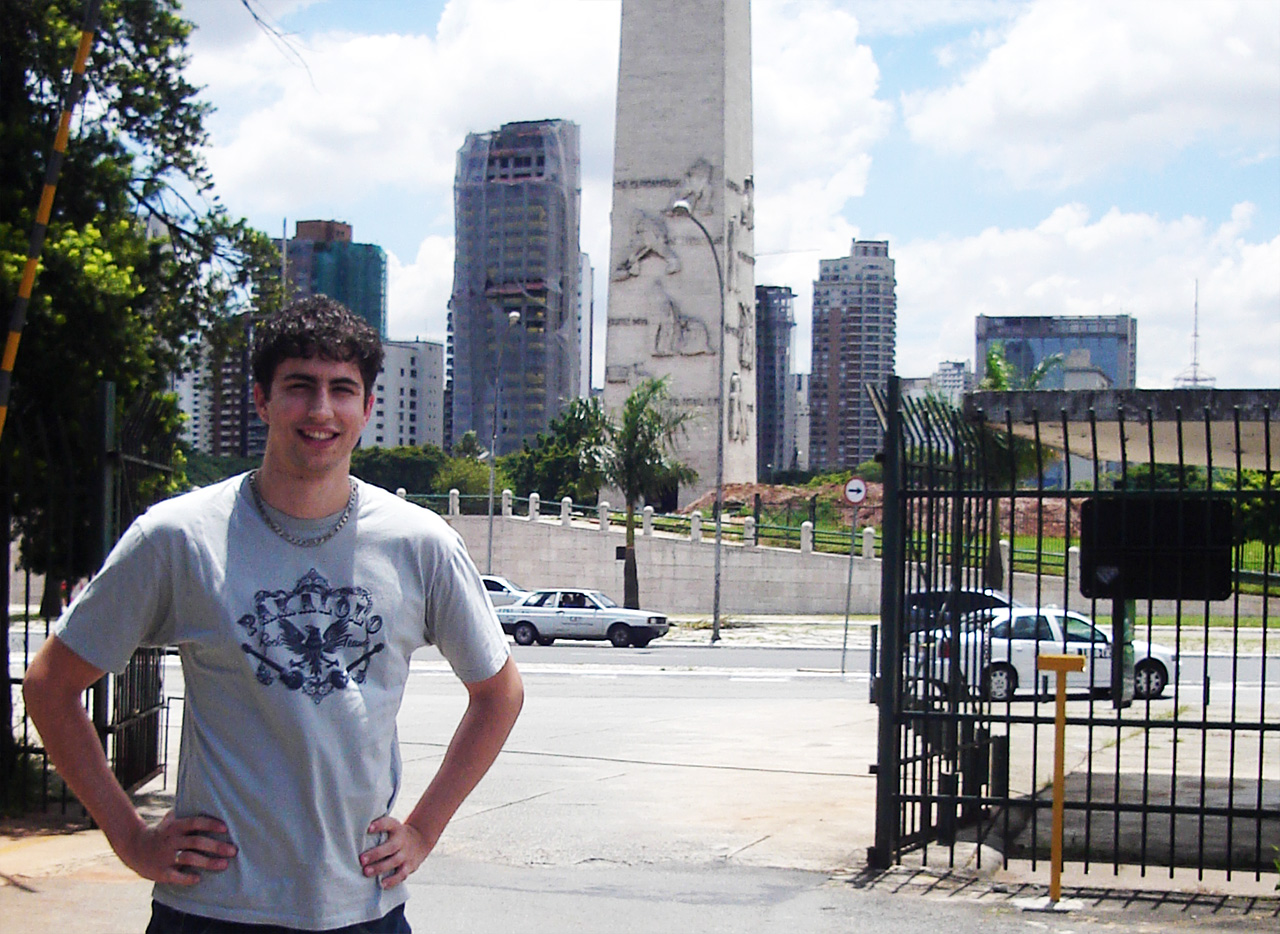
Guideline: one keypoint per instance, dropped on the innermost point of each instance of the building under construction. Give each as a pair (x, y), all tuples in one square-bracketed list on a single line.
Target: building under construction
[(516, 205)]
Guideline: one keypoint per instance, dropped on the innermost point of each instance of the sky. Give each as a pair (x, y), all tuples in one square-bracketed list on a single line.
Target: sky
[(1021, 158)]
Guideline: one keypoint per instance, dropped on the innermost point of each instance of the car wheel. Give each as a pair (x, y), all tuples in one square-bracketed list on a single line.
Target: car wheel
[(999, 683), (620, 635), (545, 640), (525, 634), (1149, 679)]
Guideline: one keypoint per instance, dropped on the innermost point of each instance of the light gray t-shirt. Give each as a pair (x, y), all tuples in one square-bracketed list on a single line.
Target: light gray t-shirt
[(295, 661)]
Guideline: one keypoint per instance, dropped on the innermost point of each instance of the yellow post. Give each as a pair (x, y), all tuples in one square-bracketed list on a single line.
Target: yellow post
[(1061, 664)]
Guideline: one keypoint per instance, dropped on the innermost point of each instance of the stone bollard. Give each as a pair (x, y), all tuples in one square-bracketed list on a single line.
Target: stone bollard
[(695, 526), (566, 511), (535, 505), (506, 504), (603, 512), (402, 492), (453, 502), (1073, 572), (646, 522), (868, 542), (749, 531), (806, 537), (1006, 554)]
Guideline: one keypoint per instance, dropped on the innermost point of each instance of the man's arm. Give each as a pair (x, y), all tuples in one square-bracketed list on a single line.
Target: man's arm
[(176, 849), (491, 712)]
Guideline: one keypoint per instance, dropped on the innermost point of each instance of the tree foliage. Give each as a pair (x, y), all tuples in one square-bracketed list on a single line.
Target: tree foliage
[(140, 258), (637, 456), (565, 462), (416, 469)]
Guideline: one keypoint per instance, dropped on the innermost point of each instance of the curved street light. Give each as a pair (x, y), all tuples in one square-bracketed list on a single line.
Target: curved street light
[(682, 209), (513, 318)]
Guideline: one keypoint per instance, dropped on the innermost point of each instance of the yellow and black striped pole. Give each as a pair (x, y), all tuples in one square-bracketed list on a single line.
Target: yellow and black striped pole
[(19, 315)]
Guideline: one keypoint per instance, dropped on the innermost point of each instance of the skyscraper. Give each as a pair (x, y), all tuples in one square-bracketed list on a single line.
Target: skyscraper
[(854, 330), (408, 396), (775, 415), (1095, 348), (321, 259), (517, 199)]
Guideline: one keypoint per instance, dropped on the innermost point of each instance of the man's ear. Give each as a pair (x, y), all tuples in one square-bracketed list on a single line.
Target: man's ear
[(260, 402), (368, 408)]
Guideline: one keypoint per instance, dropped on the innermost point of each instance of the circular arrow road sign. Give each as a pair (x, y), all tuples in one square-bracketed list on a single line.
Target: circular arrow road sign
[(855, 491)]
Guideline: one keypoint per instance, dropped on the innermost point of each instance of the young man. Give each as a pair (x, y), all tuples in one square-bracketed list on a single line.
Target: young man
[(295, 595)]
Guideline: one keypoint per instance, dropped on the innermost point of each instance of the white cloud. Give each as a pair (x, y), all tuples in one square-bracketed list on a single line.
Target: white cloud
[(1079, 86), (1121, 263), (418, 293)]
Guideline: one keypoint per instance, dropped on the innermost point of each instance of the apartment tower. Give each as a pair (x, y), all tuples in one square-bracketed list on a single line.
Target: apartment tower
[(517, 201), (854, 329)]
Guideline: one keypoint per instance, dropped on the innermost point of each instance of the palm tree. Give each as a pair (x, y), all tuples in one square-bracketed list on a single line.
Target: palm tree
[(1019, 456), (636, 455)]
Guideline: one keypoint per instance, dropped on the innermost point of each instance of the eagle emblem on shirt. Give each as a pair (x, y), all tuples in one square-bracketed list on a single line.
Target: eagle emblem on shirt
[(314, 638)]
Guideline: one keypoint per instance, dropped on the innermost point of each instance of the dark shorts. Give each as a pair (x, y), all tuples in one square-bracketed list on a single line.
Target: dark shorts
[(166, 920)]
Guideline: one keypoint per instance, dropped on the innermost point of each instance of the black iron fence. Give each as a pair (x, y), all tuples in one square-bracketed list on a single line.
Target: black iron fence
[(76, 491), (1173, 729)]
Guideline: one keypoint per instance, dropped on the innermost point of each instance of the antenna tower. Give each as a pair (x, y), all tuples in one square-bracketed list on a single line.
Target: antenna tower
[(1192, 378)]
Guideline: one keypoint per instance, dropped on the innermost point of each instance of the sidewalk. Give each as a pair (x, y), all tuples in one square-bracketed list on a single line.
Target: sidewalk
[(615, 809)]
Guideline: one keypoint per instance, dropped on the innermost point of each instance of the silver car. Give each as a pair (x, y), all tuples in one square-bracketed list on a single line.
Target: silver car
[(502, 591), (546, 615)]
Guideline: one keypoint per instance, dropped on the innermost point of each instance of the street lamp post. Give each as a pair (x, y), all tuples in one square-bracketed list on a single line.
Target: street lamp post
[(682, 209), (512, 318)]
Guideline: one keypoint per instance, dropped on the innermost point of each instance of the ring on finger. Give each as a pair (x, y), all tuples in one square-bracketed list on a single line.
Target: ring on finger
[(177, 857)]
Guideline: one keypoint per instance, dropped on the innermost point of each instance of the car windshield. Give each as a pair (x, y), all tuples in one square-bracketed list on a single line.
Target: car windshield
[(512, 584), (603, 600)]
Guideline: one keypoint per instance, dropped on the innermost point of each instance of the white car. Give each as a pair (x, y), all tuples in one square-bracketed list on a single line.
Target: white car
[(999, 657), (546, 615), (501, 591)]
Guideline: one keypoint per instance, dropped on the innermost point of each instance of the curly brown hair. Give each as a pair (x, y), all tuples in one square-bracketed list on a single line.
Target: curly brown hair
[(316, 326)]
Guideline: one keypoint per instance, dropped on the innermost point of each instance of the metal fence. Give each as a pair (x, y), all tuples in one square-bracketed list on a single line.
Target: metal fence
[(1172, 762), (69, 521)]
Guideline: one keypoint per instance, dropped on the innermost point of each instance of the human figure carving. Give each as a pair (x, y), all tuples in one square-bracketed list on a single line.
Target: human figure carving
[(695, 188), (649, 237)]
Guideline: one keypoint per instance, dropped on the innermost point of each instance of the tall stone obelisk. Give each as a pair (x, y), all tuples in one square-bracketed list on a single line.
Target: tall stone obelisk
[(684, 135)]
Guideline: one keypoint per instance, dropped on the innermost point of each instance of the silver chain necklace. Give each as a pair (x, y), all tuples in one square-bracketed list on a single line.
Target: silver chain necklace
[(289, 536)]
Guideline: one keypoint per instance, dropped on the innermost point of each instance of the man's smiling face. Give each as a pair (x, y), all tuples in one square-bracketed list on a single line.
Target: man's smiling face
[(314, 413)]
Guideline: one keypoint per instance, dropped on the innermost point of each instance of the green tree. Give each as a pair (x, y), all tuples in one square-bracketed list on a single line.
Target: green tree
[(468, 446), (417, 469), (139, 260), (1007, 459), (565, 462), (470, 477), (637, 456)]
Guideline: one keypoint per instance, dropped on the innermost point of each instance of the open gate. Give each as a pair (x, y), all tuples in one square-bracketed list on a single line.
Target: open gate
[(1173, 731)]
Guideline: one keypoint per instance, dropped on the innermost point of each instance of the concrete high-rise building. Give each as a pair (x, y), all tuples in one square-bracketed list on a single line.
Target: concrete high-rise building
[(217, 398), (800, 440), (775, 409), (408, 397), (683, 137), (1091, 346), (854, 330), (517, 198), (321, 259), (586, 325), (952, 379)]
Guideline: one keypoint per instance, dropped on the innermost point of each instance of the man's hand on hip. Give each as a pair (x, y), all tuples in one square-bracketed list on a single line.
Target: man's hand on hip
[(399, 856), (177, 850)]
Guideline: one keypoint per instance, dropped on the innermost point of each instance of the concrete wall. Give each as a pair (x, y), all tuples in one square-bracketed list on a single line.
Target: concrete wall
[(676, 574)]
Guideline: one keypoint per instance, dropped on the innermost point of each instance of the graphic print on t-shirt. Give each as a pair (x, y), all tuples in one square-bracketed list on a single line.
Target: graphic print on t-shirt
[(314, 638)]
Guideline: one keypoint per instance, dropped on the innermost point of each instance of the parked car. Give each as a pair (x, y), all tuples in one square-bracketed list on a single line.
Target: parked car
[(502, 592), (932, 609), (998, 657), (546, 615)]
